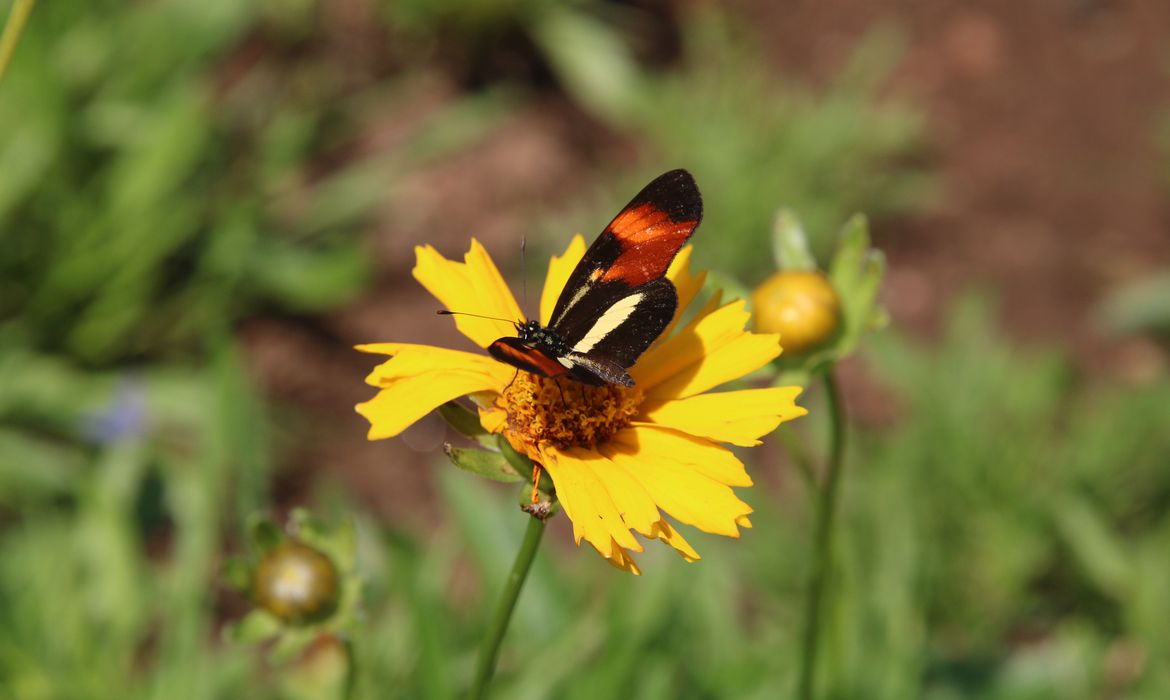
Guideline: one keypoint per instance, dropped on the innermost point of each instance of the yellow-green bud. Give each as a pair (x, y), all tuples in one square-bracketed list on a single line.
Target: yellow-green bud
[(296, 583), (801, 306)]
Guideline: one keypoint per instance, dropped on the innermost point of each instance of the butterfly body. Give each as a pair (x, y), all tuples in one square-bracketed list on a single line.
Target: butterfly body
[(617, 300)]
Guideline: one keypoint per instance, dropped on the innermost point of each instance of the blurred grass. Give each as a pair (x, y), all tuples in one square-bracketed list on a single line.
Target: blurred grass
[(755, 143), (1008, 545), (1007, 538)]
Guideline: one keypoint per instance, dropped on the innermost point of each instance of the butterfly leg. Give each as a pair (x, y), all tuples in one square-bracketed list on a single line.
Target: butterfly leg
[(517, 374), (560, 388)]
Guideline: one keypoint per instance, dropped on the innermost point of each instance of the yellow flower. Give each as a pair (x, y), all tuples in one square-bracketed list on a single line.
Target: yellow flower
[(618, 457)]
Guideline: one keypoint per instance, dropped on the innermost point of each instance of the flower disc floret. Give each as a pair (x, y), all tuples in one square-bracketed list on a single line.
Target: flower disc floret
[(564, 413)]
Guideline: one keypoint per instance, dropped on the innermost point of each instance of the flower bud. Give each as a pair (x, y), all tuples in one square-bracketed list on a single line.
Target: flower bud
[(801, 306), (296, 583)]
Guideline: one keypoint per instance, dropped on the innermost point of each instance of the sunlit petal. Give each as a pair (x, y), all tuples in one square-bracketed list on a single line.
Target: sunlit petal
[(559, 269), (409, 360), (404, 401), (685, 493), (687, 284), (736, 417), (473, 286), (580, 491), (711, 351)]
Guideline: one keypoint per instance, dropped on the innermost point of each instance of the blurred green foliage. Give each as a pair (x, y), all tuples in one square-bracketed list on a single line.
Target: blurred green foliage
[(1009, 545), (166, 168), (147, 201), (755, 144), (157, 186)]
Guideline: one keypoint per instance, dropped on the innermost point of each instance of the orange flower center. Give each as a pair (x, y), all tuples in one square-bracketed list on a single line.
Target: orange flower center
[(563, 412)]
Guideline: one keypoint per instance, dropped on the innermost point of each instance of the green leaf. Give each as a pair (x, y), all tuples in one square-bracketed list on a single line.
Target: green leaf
[(491, 465), (1099, 551), (593, 63), (790, 243)]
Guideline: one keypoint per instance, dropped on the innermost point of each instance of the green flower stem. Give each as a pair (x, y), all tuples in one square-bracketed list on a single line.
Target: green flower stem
[(486, 664), (17, 18), (351, 668), (827, 494), (799, 456)]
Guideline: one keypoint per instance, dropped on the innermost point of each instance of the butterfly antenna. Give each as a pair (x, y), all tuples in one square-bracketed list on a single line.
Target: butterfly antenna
[(524, 275), (444, 312)]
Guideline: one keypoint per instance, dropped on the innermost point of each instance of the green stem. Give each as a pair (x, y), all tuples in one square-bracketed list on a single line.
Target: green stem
[(826, 509), (486, 664), (799, 456), (351, 668), (17, 18)]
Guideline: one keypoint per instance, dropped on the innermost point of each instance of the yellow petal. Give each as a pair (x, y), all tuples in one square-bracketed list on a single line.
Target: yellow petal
[(622, 560), (492, 418), (473, 286), (671, 537), (736, 417), (712, 329), (408, 399), (688, 285), (409, 360), (586, 501), (631, 500), (379, 348), (682, 491), (710, 351), (714, 461), (559, 269)]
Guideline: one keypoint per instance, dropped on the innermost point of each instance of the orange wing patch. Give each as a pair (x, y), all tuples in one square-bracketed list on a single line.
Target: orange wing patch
[(649, 241)]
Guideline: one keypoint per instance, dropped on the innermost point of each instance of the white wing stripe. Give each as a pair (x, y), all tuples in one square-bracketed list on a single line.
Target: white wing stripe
[(613, 317)]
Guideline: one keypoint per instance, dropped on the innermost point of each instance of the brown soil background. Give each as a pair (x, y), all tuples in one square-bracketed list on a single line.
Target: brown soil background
[(1042, 121)]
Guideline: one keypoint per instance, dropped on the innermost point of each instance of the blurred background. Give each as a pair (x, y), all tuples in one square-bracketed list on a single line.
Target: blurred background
[(205, 205)]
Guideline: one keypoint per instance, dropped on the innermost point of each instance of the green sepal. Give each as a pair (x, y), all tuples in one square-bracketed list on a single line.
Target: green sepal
[(263, 533), (257, 626), (520, 463), (462, 420), (293, 643), (490, 465), (857, 271), (544, 489), (466, 423), (790, 243)]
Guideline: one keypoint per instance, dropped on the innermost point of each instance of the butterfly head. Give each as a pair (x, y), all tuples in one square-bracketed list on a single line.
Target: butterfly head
[(528, 330)]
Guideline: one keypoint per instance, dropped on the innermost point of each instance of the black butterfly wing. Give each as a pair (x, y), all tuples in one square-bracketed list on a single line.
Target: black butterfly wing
[(618, 334), (636, 248)]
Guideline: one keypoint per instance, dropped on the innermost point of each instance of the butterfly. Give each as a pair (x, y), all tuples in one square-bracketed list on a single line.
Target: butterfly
[(617, 300)]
